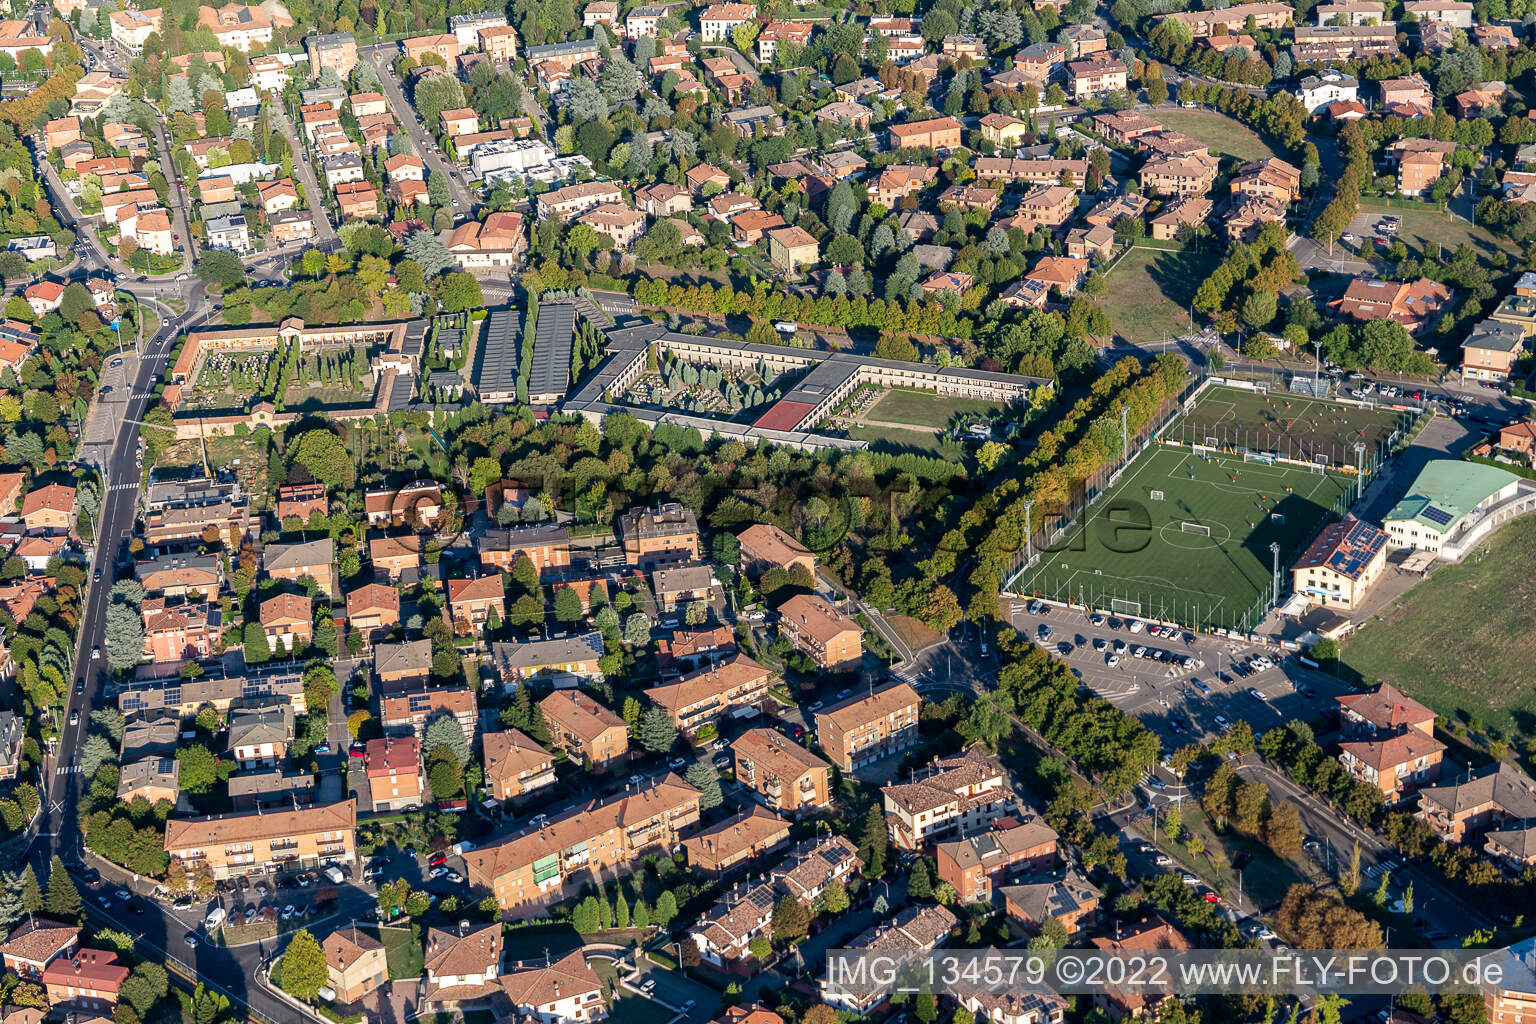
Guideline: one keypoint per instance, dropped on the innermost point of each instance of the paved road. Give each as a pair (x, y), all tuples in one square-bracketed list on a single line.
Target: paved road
[(313, 193), (421, 139)]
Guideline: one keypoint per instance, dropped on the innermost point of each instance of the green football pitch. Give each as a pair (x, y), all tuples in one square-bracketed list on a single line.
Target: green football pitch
[(1291, 425), (1185, 536)]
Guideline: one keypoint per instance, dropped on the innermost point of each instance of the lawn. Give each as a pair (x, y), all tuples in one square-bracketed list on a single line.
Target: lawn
[(1460, 641), (1150, 291), (537, 941), (921, 442), (1422, 225), (926, 409), (1225, 136), (633, 1009), (402, 953)]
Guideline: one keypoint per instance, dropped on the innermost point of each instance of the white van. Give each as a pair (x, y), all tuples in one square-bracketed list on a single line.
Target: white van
[(334, 874), (215, 918)]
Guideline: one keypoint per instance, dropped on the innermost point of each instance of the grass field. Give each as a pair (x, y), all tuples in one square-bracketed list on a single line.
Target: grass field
[(925, 409), (1460, 641), (1150, 291), (922, 442), (1287, 424), (1422, 226), (1187, 535), (402, 953), (1225, 136)]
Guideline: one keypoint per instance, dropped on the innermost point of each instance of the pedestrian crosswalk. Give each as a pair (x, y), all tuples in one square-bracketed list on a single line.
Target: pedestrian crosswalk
[(131, 485), (67, 769)]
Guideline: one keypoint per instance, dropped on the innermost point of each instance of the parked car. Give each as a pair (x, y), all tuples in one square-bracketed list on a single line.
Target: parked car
[(1222, 723)]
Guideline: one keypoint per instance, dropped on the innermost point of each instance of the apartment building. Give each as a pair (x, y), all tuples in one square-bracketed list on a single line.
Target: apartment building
[(737, 685), (666, 533), (547, 546), (788, 777), (393, 767), (373, 608), (976, 865), (403, 666), (1475, 802), (337, 51), (571, 657), (181, 632), (939, 133), (818, 630), (514, 764), (951, 797), (1151, 935), (606, 838), (131, 29), (407, 714), (186, 697), (911, 931), (241, 27), (792, 248), (1180, 176), (584, 729), (737, 840), (574, 200), (719, 20), (1090, 79), (868, 728), (229, 845), (1050, 206)]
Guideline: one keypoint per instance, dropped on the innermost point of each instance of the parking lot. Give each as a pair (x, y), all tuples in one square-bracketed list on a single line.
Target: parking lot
[(1199, 687)]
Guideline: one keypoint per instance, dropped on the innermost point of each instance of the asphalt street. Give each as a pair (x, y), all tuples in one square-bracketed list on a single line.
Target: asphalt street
[(422, 139)]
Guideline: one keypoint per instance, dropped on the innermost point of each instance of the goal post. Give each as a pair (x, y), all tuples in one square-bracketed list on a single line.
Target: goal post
[(1268, 460), (1199, 528), (1155, 496), (1124, 606)]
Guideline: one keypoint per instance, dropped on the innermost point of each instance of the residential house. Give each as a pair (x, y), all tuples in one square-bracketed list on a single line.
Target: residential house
[(259, 737), (1002, 130), (373, 608), (462, 964), (911, 931), (764, 546), (37, 942), (1318, 91), (408, 712), (393, 768), (312, 559), (1339, 568), (1490, 352), (1182, 176), (1420, 163), (471, 603), (1389, 741), (87, 981), (564, 991), (574, 200), (1177, 216), (355, 963), (395, 558), (403, 666), (288, 620), (1409, 96), (153, 778), (182, 632), (181, 574), (1062, 895), (357, 200), (1091, 243), (1152, 935)]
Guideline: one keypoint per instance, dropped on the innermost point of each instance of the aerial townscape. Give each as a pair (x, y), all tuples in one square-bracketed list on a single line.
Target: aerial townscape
[(569, 512)]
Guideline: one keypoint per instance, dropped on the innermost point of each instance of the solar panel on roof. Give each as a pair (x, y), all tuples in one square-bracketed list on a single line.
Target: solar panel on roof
[(1438, 515)]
